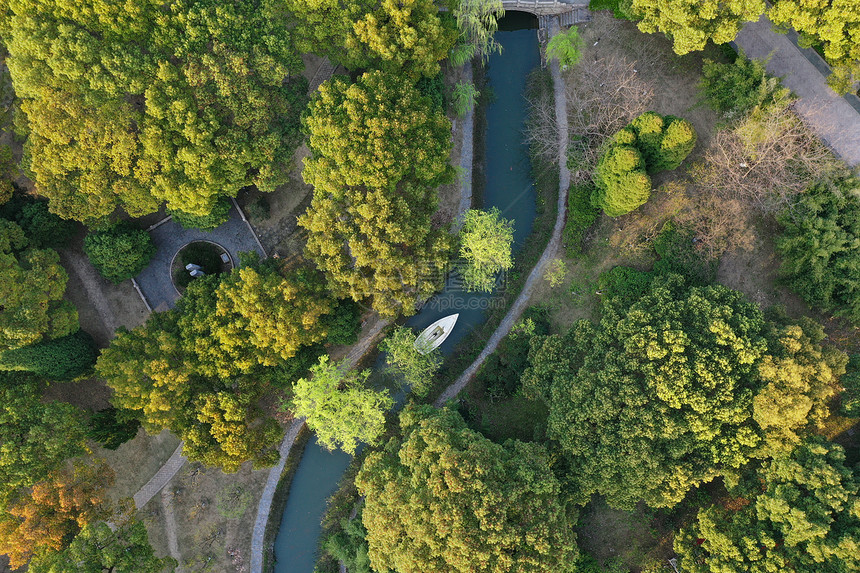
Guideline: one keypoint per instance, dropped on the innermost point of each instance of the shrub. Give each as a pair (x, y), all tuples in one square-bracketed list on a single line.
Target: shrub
[(621, 183), (566, 47), (217, 217), (500, 374), (120, 251), (737, 88), (434, 88), (625, 284), (62, 358), (850, 402), (581, 214), (820, 247), (464, 97), (259, 210), (112, 427), (621, 9), (663, 141), (43, 228), (676, 248)]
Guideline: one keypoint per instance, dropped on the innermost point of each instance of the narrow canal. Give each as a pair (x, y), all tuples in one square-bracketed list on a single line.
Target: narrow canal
[(508, 186)]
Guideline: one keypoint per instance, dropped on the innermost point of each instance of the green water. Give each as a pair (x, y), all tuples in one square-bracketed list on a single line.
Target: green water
[(509, 187)]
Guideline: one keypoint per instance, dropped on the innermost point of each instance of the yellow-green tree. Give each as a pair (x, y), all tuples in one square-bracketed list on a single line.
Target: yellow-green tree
[(131, 104), (445, 498), (835, 25), (380, 149), (32, 284), (403, 37), (691, 23), (486, 239)]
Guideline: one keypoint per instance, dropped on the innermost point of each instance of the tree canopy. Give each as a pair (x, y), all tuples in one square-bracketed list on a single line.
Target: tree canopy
[(32, 285), (380, 149), (691, 23), (35, 437), (136, 103), (444, 498), (820, 247), (340, 407), (801, 512), (416, 369), (675, 388), (486, 239)]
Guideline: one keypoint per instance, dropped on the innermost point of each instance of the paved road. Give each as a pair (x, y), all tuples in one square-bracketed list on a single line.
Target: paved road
[(831, 117), (154, 280), (549, 253), (164, 474)]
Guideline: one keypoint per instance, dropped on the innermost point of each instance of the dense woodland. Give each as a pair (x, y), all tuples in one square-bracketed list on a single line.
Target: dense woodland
[(678, 396)]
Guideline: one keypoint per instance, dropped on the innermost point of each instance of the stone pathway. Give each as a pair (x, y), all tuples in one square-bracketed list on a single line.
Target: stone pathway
[(830, 116), (549, 253), (164, 474)]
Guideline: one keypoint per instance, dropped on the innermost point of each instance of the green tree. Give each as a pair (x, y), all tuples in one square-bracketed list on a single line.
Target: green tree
[(477, 21), (820, 247), (119, 252), (833, 25), (112, 427), (380, 149), (339, 406), (850, 398), (566, 47), (136, 103), (738, 88), (675, 389), (691, 23), (415, 368), (349, 545), (621, 183), (215, 218), (62, 358), (803, 515), (37, 437), (43, 228), (98, 548), (465, 96), (486, 239), (32, 285), (444, 498), (323, 25), (400, 37)]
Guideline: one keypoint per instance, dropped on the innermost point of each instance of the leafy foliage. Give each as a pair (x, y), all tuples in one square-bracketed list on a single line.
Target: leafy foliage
[(98, 549), (835, 26), (820, 248), (434, 88), (850, 398), (477, 21), (691, 23), (119, 252), (62, 358), (343, 323), (738, 88), (650, 143), (32, 285), (130, 105), (215, 218), (112, 427), (339, 406), (417, 370), (43, 434), (803, 515), (676, 247), (464, 97), (379, 148), (467, 503), (682, 385), (566, 47), (44, 519), (581, 214), (623, 285), (486, 239), (500, 374), (42, 228), (349, 546), (621, 9)]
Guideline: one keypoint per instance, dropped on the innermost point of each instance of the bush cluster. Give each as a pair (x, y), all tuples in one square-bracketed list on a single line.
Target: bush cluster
[(650, 143), (119, 252), (581, 214), (62, 358), (736, 89)]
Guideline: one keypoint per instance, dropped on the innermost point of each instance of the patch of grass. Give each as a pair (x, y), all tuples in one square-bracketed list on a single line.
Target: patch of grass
[(232, 501)]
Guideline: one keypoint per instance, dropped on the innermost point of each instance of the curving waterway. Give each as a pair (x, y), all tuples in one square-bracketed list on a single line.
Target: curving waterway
[(509, 187)]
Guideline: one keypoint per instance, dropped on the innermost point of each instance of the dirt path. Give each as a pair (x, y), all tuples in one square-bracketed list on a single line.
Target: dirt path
[(88, 278), (549, 253), (170, 525)]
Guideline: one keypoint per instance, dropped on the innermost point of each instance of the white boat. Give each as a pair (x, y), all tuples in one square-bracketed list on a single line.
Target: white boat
[(435, 334)]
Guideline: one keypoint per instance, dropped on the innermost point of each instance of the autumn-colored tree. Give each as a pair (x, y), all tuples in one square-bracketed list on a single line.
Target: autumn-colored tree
[(44, 519), (380, 149), (674, 387), (835, 26), (445, 498), (401, 37), (32, 285), (323, 25), (35, 437), (339, 406), (98, 548), (691, 23), (802, 515), (486, 239), (136, 103)]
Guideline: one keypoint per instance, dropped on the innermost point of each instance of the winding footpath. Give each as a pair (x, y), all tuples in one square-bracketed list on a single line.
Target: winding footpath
[(549, 253)]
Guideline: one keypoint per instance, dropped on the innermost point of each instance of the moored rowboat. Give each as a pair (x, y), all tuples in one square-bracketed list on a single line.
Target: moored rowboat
[(435, 334)]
